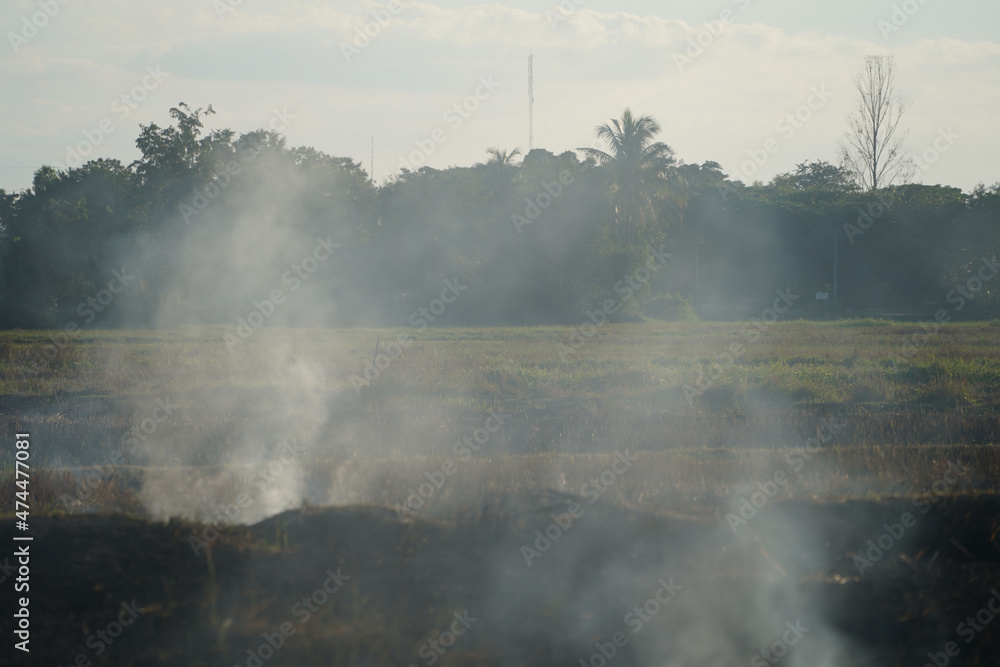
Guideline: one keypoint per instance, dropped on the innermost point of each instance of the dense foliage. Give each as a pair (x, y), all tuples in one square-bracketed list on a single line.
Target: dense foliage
[(209, 223)]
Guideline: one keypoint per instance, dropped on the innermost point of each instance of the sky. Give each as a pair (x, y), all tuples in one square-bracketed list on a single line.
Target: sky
[(755, 85)]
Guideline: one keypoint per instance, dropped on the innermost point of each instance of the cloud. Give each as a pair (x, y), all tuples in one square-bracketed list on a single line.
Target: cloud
[(587, 69)]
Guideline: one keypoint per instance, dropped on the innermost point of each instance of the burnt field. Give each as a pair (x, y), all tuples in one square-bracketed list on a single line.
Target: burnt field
[(820, 499), (358, 585)]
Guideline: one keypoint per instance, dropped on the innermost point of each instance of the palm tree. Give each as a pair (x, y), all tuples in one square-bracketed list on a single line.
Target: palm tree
[(500, 156), (641, 167), (499, 175)]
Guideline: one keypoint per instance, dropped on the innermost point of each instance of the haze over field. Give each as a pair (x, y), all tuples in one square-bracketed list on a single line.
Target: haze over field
[(714, 356)]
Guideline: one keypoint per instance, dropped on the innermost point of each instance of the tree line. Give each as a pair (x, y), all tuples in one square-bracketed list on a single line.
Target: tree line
[(205, 223)]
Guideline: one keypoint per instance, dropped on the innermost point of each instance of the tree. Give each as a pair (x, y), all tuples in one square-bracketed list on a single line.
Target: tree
[(177, 158), (64, 234), (500, 156), (820, 175), (6, 211), (875, 149), (500, 174), (171, 149), (641, 168)]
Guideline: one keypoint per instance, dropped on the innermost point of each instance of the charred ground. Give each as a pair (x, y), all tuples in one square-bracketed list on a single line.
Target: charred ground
[(402, 581)]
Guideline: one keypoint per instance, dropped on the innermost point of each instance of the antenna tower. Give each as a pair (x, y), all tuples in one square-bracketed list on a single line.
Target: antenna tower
[(531, 102)]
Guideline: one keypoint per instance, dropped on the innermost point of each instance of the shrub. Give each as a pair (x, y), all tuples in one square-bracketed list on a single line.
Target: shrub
[(669, 307)]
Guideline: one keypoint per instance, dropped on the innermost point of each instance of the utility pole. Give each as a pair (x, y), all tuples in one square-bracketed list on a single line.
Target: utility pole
[(835, 235), (697, 281)]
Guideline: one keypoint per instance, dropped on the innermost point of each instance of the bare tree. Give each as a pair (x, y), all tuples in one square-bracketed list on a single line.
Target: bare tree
[(875, 150)]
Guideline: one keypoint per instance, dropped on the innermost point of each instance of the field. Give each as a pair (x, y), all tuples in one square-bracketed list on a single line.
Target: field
[(629, 494)]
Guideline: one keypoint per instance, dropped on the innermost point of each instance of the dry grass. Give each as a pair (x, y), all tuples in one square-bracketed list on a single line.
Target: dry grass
[(623, 389)]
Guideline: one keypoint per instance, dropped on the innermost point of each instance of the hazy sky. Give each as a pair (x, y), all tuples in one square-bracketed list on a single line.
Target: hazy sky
[(64, 83)]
